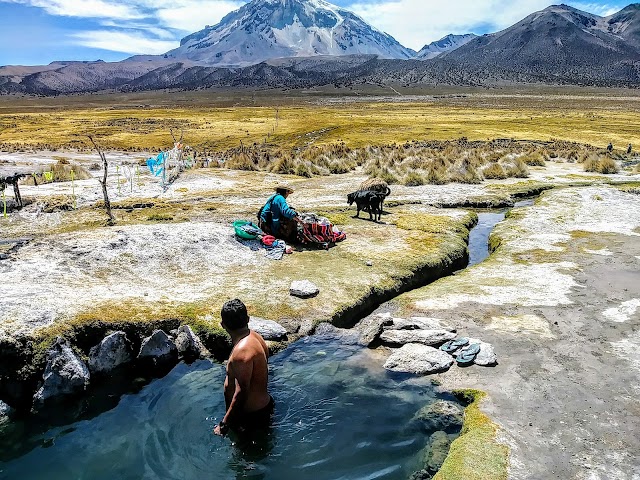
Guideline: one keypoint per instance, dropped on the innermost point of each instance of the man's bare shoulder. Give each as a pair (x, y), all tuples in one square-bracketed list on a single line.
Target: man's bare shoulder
[(248, 348)]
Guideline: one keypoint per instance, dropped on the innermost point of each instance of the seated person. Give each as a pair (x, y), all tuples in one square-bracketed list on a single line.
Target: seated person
[(277, 218)]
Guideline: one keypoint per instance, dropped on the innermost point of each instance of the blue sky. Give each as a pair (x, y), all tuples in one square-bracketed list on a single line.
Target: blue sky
[(34, 32)]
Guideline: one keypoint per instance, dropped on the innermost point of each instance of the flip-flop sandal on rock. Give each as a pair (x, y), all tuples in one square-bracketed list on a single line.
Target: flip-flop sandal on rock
[(455, 344), (467, 355)]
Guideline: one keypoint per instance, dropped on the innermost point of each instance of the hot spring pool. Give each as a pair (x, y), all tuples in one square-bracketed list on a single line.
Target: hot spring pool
[(339, 415)]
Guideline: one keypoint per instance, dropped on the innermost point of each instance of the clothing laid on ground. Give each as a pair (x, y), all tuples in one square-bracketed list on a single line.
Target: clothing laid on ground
[(251, 229), (274, 216), (276, 250), (259, 419), (319, 230)]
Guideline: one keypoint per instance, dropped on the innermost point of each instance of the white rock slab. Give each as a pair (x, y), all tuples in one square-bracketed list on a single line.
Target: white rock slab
[(425, 337), (418, 359), (268, 329), (303, 289)]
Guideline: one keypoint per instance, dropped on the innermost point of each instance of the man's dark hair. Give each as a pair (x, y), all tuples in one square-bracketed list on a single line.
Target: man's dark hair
[(234, 315), (282, 191)]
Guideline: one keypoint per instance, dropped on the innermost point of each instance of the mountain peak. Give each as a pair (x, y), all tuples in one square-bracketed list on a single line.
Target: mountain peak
[(266, 29), (447, 43)]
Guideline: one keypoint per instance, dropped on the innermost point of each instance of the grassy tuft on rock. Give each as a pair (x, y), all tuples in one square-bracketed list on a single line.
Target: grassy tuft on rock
[(476, 453)]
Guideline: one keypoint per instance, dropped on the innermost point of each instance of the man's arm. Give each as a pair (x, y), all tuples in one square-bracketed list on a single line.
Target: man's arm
[(242, 369)]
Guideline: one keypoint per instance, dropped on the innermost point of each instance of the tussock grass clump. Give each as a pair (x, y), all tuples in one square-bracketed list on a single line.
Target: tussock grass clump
[(517, 169), (59, 172), (433, 162), (495, 172), (160, 217), (413, 179), (56, 203), (605, 165), (437, 176), (534, 159)]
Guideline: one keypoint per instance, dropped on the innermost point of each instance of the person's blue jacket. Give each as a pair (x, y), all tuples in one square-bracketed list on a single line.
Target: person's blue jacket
[(279, 209)]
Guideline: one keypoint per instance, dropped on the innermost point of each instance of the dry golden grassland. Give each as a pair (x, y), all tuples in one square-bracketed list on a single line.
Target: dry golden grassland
[(218, 121)]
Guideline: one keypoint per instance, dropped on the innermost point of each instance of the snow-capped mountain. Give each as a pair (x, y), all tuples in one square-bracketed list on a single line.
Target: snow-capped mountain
[(445, 44), (266, 29)]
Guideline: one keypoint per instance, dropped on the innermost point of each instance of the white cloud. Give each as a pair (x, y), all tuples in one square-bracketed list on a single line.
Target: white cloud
[(125, 42), (417, 22), (191, 16), (602, 9), (84, 8)]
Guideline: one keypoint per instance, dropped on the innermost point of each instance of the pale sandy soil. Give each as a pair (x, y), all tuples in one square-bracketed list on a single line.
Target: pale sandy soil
[(564, 320)]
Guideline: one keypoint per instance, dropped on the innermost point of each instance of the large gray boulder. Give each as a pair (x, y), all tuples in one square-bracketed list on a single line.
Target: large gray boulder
[(159, 348), (189, 344), (113, 351), (65, 374), (441, 415), (371, 327), (303, 289), (268, 329), (425, 337), (419, 359)]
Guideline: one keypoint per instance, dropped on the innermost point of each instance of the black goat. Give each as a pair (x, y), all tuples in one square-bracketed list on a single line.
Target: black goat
[(367, 201)]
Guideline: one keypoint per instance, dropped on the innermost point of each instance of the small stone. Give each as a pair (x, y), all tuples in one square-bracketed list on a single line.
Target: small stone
[(65, 374), (159, 348), (189, 344), (371, 327), (114, 350), (268, 329), (441, 415), (419, 359), (425, 337), (369, 263), (303, 289)]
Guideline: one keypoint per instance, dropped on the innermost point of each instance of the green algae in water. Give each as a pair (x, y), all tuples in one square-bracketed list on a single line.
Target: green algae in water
[(339, 415)]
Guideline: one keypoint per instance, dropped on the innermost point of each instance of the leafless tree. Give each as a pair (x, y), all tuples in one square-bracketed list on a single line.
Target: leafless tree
[(174, 137), (103, 182)]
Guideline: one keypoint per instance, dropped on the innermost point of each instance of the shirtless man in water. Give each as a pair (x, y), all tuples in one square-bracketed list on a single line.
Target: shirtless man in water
[(249, 405)]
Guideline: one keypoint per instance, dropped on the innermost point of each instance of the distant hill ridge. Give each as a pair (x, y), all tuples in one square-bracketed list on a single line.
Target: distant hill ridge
[(303, 43)]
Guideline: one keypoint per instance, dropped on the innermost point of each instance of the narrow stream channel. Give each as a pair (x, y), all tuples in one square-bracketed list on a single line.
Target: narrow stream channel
[(479, 235), (339, 416)]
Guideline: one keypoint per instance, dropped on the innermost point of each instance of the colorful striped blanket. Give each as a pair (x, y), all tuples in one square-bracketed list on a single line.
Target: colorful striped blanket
[(319, 231)]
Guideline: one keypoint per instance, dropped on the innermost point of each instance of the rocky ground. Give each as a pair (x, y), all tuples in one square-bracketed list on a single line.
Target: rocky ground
[(559, 299)]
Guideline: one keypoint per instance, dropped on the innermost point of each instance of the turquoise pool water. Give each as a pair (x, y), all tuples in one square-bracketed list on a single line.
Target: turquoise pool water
[(339, 416)]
